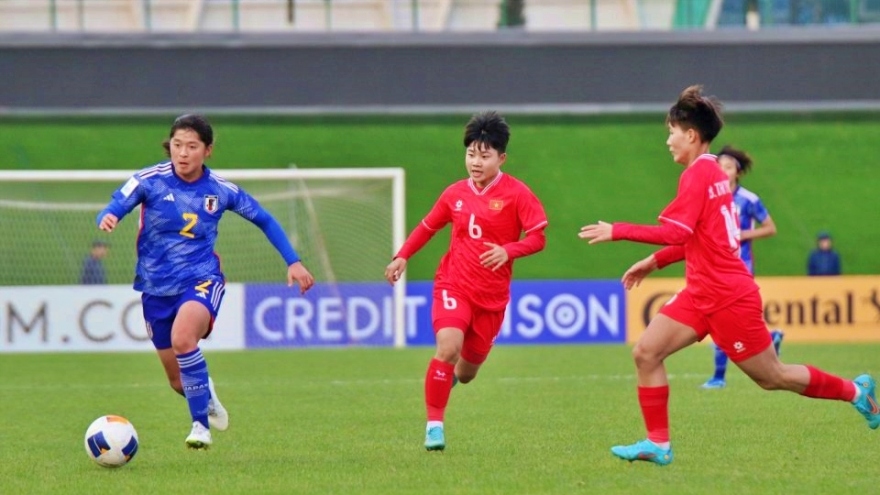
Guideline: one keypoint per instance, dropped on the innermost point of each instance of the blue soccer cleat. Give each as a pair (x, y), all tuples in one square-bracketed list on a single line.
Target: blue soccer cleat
[(434, 438), (867, 401), (714, 383), (645, 450), (777, 337)]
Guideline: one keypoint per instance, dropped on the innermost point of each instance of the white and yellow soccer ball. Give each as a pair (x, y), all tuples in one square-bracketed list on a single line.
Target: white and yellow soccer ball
[(111, 441)]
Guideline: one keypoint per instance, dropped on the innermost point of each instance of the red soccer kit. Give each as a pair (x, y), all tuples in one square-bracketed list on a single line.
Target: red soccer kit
[(499, 213), (700, 226)]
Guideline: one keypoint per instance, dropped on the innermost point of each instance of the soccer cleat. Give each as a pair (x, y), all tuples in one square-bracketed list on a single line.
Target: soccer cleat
[(777, 337), (645, 450), (867, 401), (218, 418), (434, 438), (199, 437), (714, 383)]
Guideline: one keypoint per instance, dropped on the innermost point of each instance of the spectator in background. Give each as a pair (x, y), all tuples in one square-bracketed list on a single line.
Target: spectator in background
[(823, 260), (93, 265)]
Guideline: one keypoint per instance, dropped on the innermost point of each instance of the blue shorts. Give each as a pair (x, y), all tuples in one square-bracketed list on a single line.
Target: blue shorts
[(160, 311)]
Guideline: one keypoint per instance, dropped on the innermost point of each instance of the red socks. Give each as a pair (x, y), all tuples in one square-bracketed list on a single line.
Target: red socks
[(826, 386), (438, 384), (654, 402)]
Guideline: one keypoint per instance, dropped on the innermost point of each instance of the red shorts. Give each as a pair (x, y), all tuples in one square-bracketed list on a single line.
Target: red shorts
[(480, 327), (739, 329)]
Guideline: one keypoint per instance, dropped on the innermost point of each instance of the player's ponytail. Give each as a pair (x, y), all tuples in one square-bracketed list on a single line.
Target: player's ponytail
[(698, 112)]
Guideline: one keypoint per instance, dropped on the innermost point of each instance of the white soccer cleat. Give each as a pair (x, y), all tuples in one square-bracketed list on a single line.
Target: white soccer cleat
[(199, 438), (218, 418)]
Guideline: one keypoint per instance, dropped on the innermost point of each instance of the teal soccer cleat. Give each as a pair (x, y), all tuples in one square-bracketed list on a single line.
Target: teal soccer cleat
[(867, 401), (645, 450), (434, 439), (714, 383)]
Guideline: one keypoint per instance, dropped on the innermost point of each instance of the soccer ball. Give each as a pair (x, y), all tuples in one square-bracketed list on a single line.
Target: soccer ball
[(111, 441)]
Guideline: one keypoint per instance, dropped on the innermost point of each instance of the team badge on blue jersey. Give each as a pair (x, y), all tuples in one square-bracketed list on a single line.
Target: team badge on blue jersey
[(211, 203)]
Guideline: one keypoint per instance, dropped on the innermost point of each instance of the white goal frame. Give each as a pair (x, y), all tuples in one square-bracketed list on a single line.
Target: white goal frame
[(398, 198)]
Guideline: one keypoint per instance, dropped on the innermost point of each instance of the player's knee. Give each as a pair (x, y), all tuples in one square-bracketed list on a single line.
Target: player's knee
[(465, 377), (644, 356), (183, 342), (448, 353)]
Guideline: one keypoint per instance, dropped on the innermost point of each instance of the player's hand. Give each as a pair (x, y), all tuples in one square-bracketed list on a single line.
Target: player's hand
[(394, 270), (495, 257), (636, 273), (297, 273), (108, 223), (598, 232)]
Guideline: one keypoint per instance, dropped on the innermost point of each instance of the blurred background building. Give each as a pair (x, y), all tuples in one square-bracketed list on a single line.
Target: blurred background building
[(115, 16)]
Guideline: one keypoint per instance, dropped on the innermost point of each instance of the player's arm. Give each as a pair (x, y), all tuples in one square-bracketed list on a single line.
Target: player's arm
[(121, 203), (436, 219), (530, 213), (677, 220), (766, 226), (248, 208), (656, 261)]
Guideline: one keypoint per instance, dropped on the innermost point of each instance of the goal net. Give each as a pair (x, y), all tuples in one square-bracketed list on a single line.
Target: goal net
[(344, 223)]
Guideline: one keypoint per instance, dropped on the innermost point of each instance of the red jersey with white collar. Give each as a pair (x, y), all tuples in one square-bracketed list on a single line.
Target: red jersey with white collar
[(499, 213)]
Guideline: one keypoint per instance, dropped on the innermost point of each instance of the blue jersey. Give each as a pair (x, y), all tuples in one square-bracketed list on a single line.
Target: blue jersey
[(751, 211), (178, 226)]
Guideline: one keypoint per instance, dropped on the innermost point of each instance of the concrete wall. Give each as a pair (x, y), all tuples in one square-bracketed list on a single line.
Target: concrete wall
[(576, 72)]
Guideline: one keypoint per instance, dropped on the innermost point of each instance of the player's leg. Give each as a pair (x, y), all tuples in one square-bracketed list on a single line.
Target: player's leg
[(194, 320), (751, 349), (677, 326), (439, 380), (718, 379), (159, 315), (451, 315), (478, 342)]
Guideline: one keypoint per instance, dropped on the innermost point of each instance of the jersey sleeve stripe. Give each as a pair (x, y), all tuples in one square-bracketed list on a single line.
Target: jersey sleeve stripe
[(536, 227), (224, 182), (676, 222), (432, 229)]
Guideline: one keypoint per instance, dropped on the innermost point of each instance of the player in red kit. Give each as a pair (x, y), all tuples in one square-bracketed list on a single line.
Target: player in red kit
[(720, 297), (489, 212)]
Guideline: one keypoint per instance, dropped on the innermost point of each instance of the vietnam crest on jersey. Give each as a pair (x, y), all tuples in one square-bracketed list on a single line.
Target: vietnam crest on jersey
[(212, 202)]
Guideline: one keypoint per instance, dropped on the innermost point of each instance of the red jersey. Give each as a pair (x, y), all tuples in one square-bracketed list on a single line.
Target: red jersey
[(702, 219), (499, 213)]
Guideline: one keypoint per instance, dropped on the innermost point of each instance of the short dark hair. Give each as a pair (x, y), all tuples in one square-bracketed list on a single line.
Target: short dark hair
[(743, 160), (698, 112), (487, 129), (193, 122)]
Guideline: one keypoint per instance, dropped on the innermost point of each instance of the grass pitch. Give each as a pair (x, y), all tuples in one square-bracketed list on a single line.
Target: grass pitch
[(537, 420)]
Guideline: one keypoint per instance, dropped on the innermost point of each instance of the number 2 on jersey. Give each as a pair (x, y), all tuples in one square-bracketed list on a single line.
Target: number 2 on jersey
[(191, 219)]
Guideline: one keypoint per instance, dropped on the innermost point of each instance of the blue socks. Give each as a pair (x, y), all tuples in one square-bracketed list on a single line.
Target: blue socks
[(194, 377), (720, 364)]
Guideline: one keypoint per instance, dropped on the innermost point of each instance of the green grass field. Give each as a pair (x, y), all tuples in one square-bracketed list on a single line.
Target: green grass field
[(537, 420), (813, 172)]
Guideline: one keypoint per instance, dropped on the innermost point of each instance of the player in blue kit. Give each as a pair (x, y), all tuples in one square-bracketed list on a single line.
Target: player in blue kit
[(754, 223), (177, 271)]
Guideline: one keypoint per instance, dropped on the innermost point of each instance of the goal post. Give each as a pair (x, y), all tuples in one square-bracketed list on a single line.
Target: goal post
[(346, 224)]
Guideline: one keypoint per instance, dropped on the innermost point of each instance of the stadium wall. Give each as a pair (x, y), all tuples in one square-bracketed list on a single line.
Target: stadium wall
[(255, 316), (807, 68)]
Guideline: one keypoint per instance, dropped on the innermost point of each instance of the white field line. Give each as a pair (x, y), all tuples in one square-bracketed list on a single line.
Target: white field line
[(160, 384)]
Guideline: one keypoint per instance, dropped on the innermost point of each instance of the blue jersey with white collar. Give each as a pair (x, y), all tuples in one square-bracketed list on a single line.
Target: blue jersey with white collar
[(751, 211), (178, 226)]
